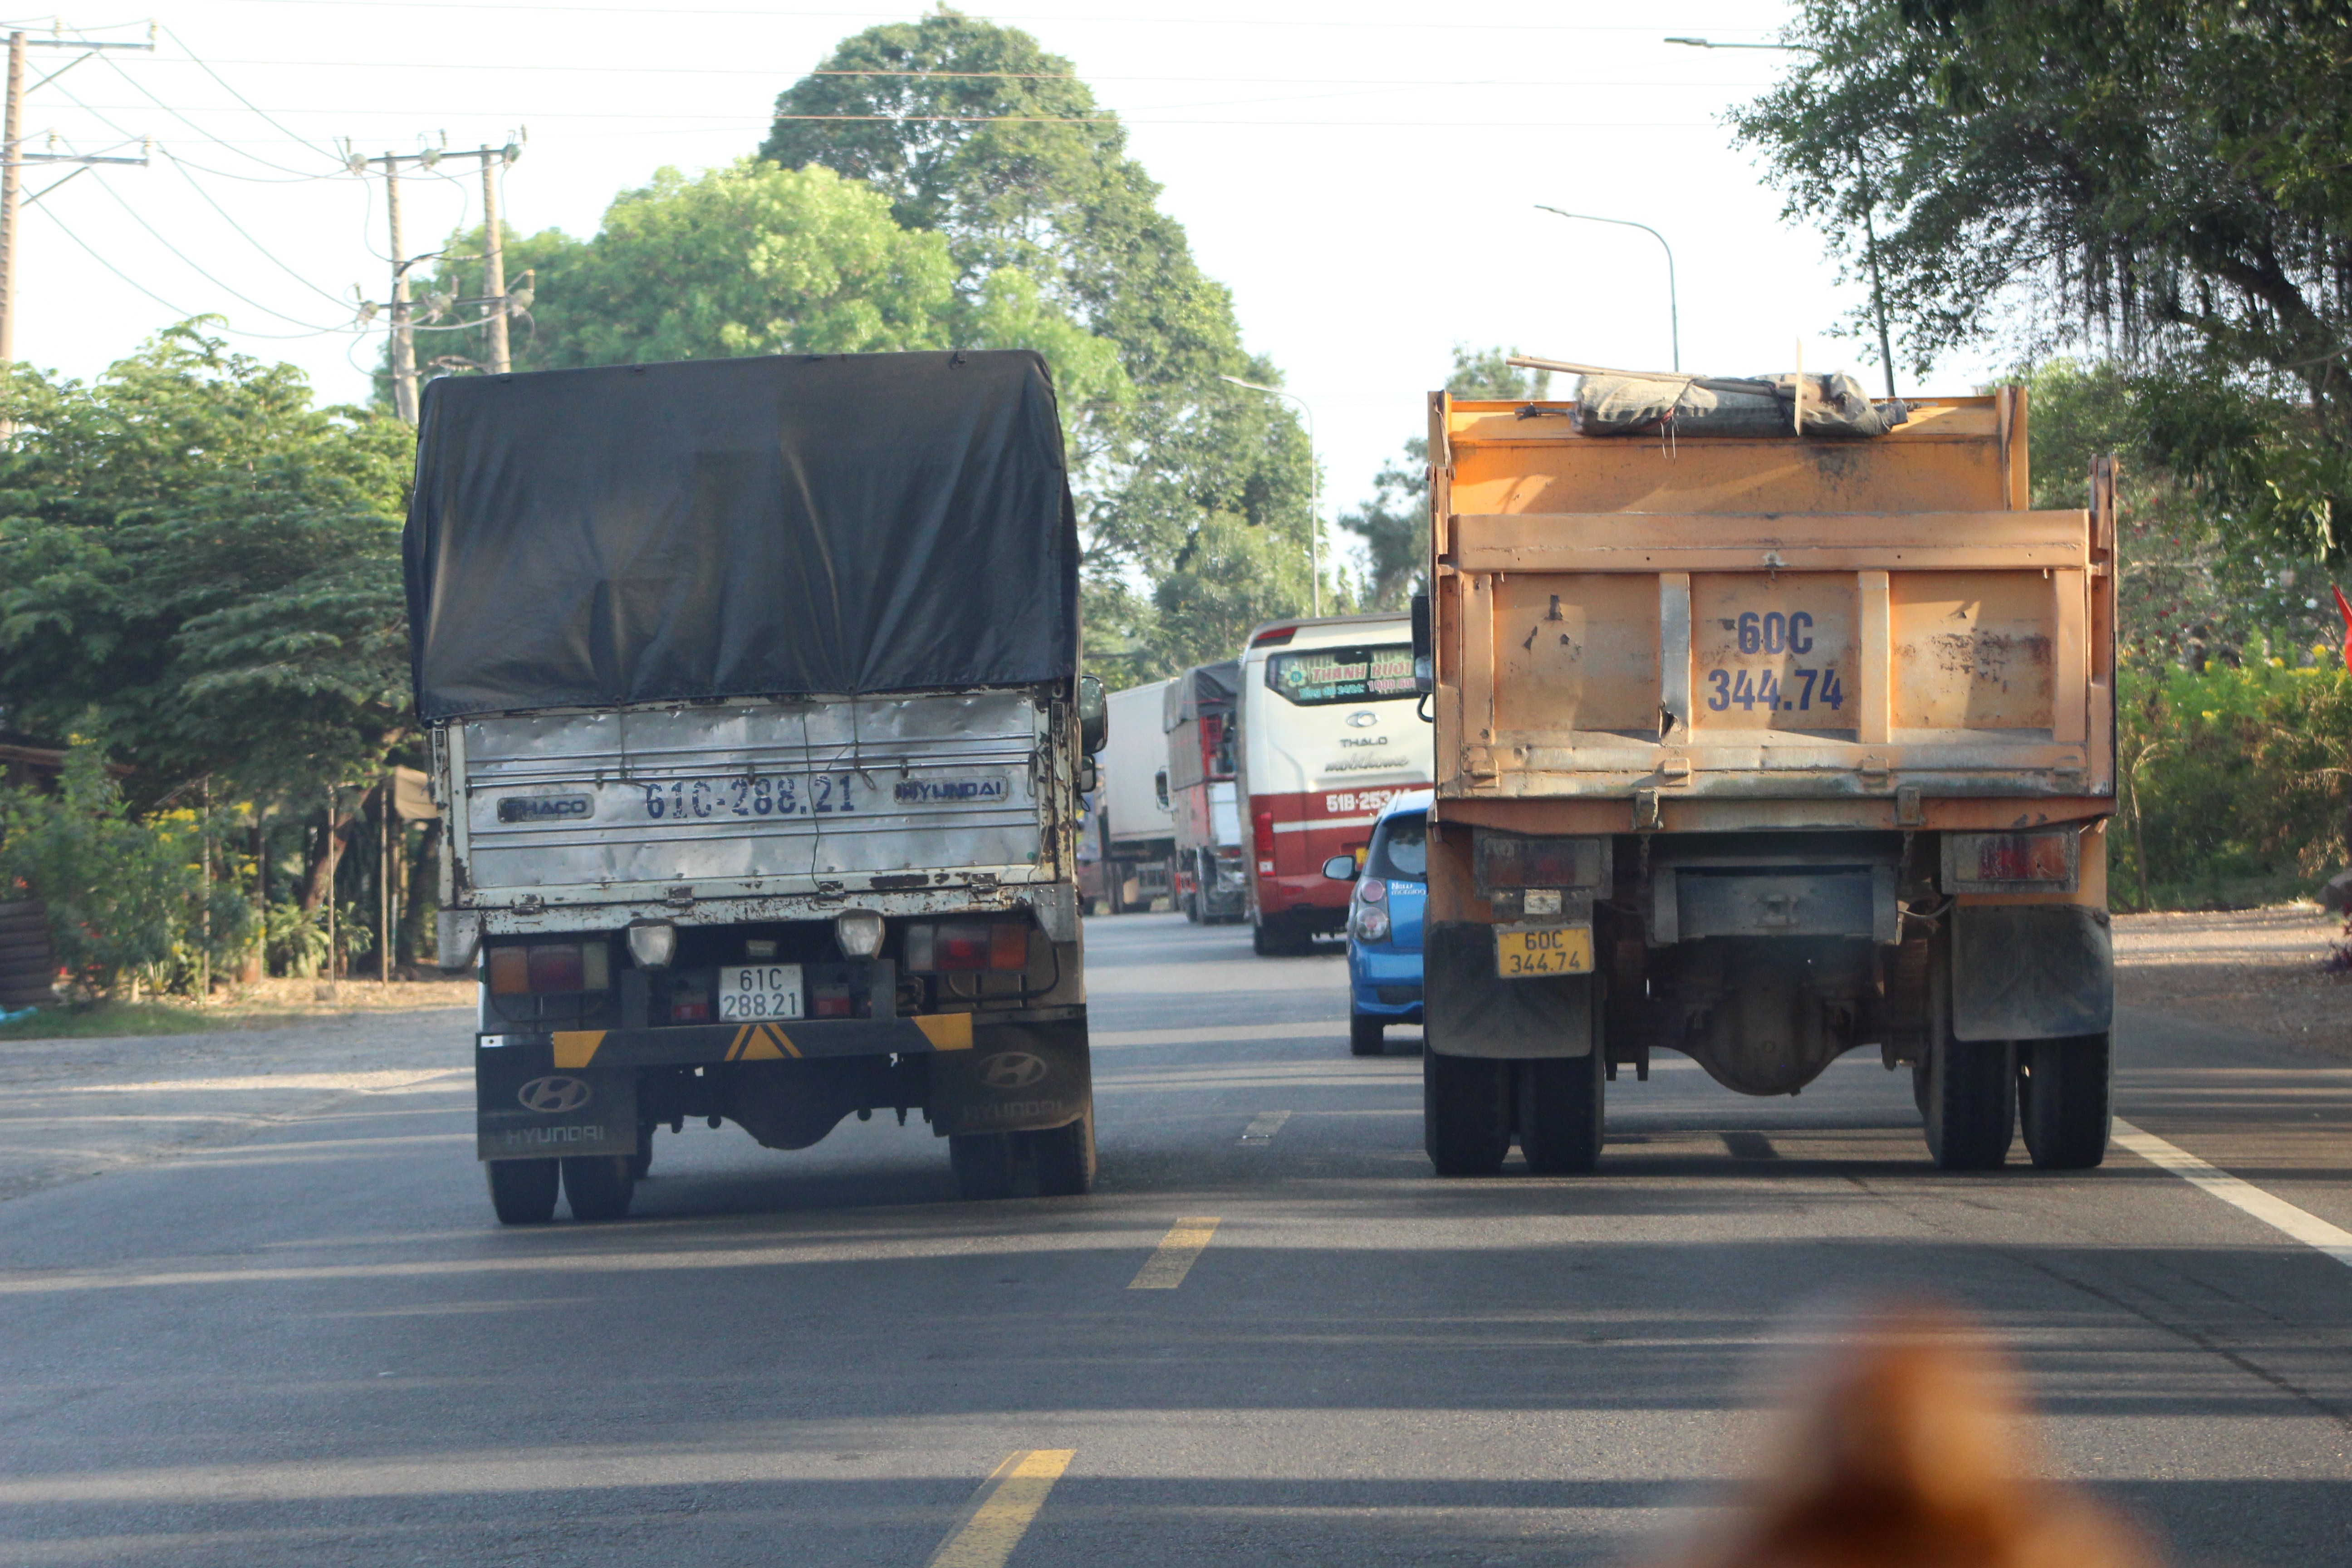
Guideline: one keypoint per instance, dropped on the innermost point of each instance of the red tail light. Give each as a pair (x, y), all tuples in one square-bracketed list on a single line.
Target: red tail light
[(1999, 862), (545, 966), (1274, 637), (963, 947), (1262, 827)]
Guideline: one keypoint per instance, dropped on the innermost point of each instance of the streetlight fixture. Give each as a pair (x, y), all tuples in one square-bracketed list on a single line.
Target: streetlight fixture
[(1314, 493), (1869, 226), (1674, 305)]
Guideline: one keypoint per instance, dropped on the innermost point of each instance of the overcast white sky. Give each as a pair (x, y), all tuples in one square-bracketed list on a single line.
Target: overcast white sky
[(1362, 176)]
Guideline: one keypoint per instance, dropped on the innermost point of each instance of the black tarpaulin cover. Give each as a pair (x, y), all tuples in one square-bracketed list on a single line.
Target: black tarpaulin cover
[(781, 526)]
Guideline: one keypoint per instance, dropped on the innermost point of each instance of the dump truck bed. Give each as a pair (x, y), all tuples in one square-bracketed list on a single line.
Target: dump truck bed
[(1870, 633)]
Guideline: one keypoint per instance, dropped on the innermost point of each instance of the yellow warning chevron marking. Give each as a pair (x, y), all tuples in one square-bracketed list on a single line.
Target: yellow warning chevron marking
[(946, 1031), (577, 1047), (735, 1045), (767, 1044)]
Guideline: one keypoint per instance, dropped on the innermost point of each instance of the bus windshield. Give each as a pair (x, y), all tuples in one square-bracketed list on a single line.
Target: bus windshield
[(1313, 678)]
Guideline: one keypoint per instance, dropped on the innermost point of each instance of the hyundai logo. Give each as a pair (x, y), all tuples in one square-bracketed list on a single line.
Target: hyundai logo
[(1362, 719), (553, 1096), (1011, 1069)]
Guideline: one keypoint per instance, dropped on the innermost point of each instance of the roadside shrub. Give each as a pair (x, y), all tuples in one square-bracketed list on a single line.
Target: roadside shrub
[(2234, 784), (127, 898)]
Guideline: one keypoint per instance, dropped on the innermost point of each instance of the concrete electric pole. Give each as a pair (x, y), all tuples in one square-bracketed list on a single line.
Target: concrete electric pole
[(13, 159), (496, 303)]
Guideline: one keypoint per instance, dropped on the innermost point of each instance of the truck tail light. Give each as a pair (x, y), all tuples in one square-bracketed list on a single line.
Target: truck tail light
[(1262, 828), (1509, 860), (2009, 862), (965, 947), (551, 967)]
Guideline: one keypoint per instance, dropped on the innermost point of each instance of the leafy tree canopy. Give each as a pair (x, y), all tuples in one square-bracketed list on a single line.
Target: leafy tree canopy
[(975, 132), (203, 567), (2168, 180)]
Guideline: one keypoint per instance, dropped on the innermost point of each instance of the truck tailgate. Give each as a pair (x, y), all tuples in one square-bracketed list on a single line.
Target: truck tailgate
[(1744, 618), (766, 797)]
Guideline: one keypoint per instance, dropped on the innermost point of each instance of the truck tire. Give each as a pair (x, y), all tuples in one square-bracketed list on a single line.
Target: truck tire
[(598, 1187), (1561, 1103), (1365, 1036), (1065, 1158), (1466, 1113), (523, 1191), (983, 1163), (2064, 1099)]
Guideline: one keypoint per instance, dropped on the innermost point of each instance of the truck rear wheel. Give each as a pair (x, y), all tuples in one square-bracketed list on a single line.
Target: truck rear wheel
[(523, 1191), (1065, 1158), (1560, 1104), (1971, 1102), (2064, 1099), (598, 1187), (983, 1162), (1365, 1036), (1466, 1113)]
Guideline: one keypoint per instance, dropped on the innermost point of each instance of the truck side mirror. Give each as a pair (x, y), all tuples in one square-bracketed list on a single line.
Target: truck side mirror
[(1340, 869), (1159, 785), (1094, 715), (1424, 652)]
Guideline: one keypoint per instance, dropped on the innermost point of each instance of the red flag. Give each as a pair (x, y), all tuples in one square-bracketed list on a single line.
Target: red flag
[(2343, 608)]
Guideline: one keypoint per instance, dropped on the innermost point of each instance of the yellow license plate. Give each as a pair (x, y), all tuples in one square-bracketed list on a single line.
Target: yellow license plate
[(1524, 955)]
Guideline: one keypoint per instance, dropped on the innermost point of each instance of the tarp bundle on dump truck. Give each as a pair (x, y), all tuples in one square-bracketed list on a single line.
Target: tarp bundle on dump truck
[(838, 525), (1624, 403)]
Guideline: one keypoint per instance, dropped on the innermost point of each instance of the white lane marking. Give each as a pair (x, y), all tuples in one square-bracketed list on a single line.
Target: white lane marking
[(389, 1083), (2276, 1211), (1233, 1034), (1265, 1125)]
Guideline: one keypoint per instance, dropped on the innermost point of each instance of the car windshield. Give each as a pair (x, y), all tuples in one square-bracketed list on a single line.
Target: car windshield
[(1400, 851)]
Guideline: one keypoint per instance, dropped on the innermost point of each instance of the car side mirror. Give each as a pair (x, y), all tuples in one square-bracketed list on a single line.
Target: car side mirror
[(1340, 868), (1425, 649), (1159, 785), (1094, 715), (1089, 776)]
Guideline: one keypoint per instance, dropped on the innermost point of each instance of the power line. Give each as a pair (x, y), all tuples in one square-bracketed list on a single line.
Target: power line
[(238, 95), (249, 239), (183, 315), (981, 76), (207, 277)]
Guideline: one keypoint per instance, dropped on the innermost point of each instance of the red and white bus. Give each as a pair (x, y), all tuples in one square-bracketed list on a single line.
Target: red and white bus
[(1330, 734)]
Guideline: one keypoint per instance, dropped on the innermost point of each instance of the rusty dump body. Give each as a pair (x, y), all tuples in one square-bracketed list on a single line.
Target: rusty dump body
[(1762, 749)]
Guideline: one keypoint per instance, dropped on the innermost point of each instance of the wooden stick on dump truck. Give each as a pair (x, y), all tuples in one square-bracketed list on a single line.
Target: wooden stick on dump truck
[(1770, 723), (753, 694)]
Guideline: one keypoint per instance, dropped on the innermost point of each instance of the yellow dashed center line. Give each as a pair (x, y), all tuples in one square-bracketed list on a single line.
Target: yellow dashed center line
[(1003, 1509), (1166, 1268)]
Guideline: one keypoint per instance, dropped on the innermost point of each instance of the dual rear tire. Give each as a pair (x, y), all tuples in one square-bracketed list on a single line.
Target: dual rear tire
[(1974, 1093), (523, 1192), (987, 1165), (1472, 1106)]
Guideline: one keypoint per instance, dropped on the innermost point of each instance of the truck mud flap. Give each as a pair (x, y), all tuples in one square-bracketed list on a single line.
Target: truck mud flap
[(525, 1108), (1469, 1011), (1017, 1077), (2031, 972)]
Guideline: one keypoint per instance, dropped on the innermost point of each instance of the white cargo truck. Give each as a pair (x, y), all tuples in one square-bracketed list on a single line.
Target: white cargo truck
[(753, 696)]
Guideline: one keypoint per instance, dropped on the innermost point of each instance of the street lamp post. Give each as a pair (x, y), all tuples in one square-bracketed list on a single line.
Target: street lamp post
[(1314, 492), (1674, 305), (1869, 224)]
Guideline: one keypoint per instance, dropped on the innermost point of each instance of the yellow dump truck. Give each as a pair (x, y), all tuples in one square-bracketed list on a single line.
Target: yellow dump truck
[(1763, 742)]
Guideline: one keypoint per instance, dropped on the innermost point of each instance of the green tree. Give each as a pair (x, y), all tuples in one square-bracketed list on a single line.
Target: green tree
[(1394, 525), (204, 568), (976, 132), (2171, 179)]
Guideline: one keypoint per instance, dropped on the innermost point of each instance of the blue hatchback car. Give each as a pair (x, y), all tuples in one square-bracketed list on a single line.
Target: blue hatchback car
[(1384, 921)]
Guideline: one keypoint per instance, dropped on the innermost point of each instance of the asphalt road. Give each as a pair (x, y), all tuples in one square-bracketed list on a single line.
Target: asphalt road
[(305, 1341)]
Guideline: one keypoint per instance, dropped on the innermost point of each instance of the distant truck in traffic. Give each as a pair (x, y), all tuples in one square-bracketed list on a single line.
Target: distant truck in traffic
[(1771, 723), (753, 695), (1329, 735), (1208, 872), (1135, 833)]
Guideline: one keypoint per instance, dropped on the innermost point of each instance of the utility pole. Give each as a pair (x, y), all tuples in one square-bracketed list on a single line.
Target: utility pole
[(494, 281), (494, 299), (13, 159)]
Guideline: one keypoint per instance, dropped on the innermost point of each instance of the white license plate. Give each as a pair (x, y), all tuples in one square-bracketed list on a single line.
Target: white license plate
[(756, 990)]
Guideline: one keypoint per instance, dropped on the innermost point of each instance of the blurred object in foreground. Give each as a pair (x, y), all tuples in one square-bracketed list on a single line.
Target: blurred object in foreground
[(1907, 1444)]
